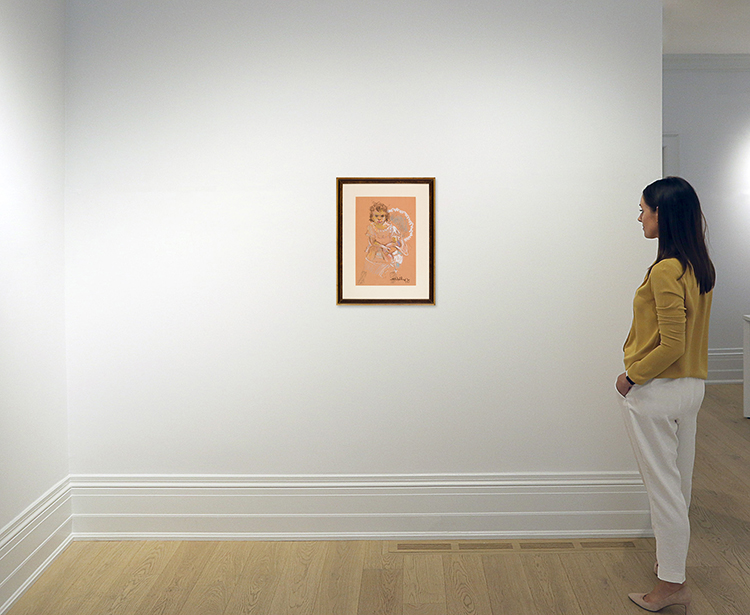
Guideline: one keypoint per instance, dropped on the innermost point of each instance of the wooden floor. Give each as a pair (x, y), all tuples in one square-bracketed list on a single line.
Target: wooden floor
[(501, 577)]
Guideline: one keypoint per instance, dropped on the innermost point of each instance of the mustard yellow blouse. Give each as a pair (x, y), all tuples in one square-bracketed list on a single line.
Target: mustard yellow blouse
[(669, 334)]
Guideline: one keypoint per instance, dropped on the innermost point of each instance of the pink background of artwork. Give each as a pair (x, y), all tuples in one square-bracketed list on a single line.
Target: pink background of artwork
[(408, 269)]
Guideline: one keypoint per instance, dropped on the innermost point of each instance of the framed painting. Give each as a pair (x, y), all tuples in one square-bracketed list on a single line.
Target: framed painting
[(386, 240)]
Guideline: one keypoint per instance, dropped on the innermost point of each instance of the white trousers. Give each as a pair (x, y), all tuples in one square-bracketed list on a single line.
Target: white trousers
[(661, 418)]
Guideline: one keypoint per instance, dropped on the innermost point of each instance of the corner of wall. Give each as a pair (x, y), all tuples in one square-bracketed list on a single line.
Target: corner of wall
[(33, 540)]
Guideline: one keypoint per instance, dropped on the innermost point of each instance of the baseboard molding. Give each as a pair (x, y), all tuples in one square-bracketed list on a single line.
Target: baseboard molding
[(725, 366), (392, 507), (359, 507), (32, 541)]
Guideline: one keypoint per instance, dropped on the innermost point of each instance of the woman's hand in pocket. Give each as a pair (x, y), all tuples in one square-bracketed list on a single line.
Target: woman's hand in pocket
[(622, 385)]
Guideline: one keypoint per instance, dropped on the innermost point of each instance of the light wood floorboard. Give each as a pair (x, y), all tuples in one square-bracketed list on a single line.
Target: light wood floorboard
[(440, 578)]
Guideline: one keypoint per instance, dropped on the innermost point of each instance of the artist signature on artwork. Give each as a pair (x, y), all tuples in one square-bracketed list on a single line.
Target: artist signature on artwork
[(399, 278)]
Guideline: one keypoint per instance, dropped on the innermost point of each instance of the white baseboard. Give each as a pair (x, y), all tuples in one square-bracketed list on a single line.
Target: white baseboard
[(32, 541), (197, 507), (725, 366), (359, 507)]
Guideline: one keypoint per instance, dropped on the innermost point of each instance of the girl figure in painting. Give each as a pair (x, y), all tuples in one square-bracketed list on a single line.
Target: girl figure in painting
[(666, 361), (386, 248)]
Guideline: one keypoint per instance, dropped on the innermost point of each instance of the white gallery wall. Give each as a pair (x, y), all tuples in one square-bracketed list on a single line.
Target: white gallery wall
[(33, 420), (204, 343), (707, 118), (33, 424)]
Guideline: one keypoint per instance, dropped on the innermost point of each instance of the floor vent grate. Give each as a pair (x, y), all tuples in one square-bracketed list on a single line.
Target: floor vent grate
[(522, 546)]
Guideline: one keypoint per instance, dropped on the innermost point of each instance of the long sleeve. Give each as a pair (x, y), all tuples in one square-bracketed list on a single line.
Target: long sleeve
[(668, 306), (669, 334)]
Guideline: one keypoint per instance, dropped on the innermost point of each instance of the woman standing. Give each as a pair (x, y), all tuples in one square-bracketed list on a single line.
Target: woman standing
[(666, 362)]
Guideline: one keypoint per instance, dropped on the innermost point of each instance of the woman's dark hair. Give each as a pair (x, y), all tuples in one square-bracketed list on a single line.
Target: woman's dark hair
[(682, 228)]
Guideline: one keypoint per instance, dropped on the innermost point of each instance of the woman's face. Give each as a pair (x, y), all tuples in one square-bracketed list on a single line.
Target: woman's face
[(649, 218)]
